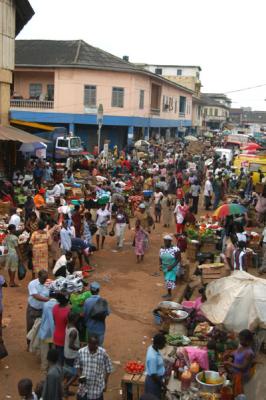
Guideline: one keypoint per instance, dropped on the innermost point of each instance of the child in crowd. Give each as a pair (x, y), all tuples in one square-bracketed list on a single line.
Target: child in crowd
[(25, 390)]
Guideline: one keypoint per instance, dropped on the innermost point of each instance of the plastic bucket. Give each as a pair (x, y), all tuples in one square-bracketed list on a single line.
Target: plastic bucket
[(157, 318)]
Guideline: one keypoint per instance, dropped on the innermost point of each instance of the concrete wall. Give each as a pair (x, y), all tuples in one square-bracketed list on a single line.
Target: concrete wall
[(7, 39), (69, 91), (23, 79), (172, 71)]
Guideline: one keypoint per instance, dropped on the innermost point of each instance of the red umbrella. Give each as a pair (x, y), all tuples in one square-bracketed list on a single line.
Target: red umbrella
[(252, 146)]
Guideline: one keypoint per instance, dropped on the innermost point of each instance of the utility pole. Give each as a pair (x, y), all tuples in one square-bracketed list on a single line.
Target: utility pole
[(100, 124)]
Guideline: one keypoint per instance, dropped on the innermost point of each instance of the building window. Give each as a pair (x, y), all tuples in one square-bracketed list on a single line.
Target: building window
[(50, 92), (175, 106), (158, 71), (197, 75), (165, 103), (141, 99), (118, 97), (216, 112), (182, 105), (35, 90), (179, 72), (90, 96), (210, 112)]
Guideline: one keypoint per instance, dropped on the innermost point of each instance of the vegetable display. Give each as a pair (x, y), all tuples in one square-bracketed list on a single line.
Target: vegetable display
[(134, 367), (177, 340)]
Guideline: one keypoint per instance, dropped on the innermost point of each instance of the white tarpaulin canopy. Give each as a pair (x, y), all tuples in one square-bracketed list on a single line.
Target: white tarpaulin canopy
[(141, 143), (32, 147), (237, 301), (191, 138)]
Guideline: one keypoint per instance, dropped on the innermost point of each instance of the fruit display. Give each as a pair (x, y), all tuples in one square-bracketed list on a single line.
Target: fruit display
[(134, 367)]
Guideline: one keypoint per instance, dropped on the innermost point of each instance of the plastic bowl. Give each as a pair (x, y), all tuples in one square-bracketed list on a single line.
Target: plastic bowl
[(210, 376), (188, 304)]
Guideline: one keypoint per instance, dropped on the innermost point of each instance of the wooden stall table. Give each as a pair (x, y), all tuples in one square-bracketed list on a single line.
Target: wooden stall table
[(132, 386)]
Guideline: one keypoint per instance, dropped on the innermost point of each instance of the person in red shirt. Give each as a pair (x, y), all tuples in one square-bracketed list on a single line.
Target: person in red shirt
[(180, 192), (60, 314)]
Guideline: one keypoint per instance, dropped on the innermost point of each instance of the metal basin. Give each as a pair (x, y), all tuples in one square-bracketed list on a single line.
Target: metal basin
[(169, 305), (211, 376), (178, 315)]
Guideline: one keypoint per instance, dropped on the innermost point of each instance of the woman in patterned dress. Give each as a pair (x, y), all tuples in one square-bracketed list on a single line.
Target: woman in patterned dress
[(170, 264), (141, 241), (40, 240), (13, 256)]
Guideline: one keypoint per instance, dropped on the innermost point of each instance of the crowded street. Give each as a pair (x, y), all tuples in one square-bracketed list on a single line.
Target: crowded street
[(132, 201)]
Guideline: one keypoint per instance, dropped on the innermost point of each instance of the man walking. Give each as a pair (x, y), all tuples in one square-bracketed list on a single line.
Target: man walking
[(96, 310), (208, 190), (94, 367)]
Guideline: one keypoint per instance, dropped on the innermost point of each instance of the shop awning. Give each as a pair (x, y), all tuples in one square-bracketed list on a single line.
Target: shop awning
[(18, 135)]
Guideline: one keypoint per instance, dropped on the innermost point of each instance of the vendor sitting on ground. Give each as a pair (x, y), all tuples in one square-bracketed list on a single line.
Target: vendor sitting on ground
[(241, 367), (64, 265), (69, 178)]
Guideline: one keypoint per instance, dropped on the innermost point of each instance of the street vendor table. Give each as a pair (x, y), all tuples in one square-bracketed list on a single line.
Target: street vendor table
[(132, 386)]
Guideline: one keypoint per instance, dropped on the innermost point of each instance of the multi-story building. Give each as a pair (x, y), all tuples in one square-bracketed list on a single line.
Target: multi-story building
[(187, 76), (216, 108), (14, 14), (62, 83), (245, 117)]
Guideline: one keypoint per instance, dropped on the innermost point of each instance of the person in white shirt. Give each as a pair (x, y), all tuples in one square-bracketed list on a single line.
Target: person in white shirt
[(63, 265), (62, 189), (55, 192), (103, 217), (15, 218), (208, 191), (65, 237)]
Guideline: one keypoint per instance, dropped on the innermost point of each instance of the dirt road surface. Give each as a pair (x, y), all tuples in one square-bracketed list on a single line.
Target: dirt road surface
[(132, 292)]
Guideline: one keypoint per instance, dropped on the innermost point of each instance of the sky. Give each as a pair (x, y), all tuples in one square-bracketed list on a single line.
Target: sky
[(225, 37)]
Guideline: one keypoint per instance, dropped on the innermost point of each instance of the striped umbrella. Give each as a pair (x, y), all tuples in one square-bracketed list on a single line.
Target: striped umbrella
[(229, 209)]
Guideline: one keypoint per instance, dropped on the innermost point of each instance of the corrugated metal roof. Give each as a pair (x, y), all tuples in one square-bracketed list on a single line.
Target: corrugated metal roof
[(10, 133), (24, 13), (76, 54)]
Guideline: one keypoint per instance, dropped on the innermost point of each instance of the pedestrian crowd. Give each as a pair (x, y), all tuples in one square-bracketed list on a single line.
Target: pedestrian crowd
[(65, 319)]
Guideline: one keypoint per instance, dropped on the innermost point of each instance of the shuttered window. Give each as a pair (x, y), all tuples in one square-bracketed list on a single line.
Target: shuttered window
[(90, 96), (118, 97)]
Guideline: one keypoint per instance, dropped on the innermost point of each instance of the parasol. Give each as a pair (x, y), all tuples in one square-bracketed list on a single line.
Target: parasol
[(32, 147), (251, 146), (237, 301), (191, 138), (141, 143), (229, 209)]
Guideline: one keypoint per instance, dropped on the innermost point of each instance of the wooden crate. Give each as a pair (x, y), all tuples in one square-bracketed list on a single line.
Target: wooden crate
[(210, 272), (132, 386), (208, 247), (191, 252), (5, 208)]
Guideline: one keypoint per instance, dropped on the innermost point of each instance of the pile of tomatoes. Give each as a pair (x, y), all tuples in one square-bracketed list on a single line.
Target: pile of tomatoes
[(134, 367)]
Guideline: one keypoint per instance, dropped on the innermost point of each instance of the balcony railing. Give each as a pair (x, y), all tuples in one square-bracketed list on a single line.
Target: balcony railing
[(155, 111), (182, 115), (35, 104)]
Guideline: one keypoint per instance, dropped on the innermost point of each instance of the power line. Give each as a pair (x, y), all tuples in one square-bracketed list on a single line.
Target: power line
[(248, 88)]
